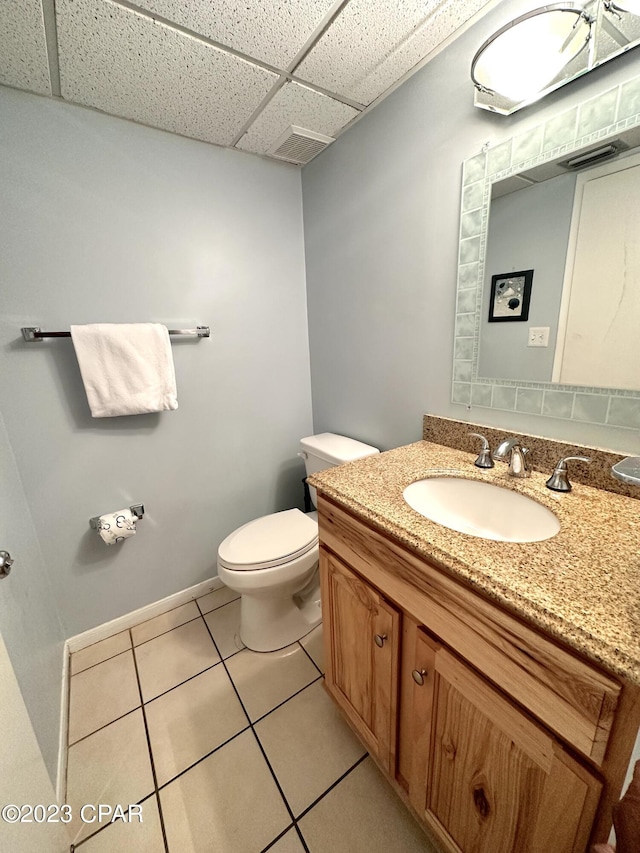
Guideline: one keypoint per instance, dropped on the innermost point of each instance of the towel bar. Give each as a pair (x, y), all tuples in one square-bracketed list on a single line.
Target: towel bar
[(136, 509), (34, 333)]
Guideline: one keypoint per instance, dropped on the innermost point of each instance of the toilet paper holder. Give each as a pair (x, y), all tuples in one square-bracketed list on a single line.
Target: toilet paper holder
[(137, 510)]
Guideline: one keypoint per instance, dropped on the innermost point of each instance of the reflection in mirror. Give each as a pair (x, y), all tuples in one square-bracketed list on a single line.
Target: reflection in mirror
[(566, 226), (549, 364)]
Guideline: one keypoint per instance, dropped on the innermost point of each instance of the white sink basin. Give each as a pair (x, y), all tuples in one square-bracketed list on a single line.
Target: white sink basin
[(481, 509)]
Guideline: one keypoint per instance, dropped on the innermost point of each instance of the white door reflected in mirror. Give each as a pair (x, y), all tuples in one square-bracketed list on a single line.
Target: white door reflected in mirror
[(600, 309)]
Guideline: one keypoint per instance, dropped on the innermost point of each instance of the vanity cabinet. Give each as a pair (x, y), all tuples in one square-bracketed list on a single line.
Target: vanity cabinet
[(362, 667), (499, 739)]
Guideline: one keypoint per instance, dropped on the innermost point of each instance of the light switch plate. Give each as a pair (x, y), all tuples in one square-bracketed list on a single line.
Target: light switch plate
[(538, 336)]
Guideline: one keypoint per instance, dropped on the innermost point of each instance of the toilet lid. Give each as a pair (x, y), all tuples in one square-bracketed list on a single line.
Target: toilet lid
[(269, 541)]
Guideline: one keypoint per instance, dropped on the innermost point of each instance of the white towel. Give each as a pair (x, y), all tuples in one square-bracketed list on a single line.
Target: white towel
[(127, 368)]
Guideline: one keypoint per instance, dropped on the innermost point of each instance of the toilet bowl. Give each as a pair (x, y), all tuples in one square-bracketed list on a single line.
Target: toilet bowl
[(268, 561), (272, 561)]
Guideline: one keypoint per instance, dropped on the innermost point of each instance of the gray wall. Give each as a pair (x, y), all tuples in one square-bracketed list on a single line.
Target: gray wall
[(528, 229), (30, 625), (381, 210), (106, 221)]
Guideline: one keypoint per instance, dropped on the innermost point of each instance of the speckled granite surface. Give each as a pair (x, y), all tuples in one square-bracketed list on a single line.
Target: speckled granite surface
[(544, 453), (582, 586)]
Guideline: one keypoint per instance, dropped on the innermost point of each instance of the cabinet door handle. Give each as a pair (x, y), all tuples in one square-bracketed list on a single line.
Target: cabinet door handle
[(380, 638), (418, 676)]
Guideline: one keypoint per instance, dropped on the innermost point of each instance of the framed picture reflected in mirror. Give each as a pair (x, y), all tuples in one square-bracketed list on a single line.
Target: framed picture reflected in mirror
[(510, 296)]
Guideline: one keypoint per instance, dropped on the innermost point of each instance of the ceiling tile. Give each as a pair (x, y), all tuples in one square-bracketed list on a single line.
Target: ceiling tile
[(372, 43), (272, 31), (127, 64), (297, 105), (23, 48)]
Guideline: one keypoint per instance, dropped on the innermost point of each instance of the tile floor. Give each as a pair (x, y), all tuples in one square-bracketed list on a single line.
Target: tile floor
[(226, 750)]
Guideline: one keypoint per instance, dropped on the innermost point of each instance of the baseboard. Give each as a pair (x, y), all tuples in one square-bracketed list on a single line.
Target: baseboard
[(61, 781), (122, 623)]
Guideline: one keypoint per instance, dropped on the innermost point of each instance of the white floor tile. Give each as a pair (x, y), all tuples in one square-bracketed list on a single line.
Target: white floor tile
[(101, 694), (224, 624), (363, 815), (98, 652), (111, 766), (171, 658), (143, 836), (191, 720), (217, 598), (289, 843), (313, 645), (309, 746), (264, 680), (165, 622), (228, 803)]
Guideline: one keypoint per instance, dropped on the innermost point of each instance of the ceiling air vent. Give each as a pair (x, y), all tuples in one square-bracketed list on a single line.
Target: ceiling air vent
[(299, 145), (588, 158)]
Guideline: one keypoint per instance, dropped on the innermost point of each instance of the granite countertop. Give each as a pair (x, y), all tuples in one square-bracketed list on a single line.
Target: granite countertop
[(581, 586)]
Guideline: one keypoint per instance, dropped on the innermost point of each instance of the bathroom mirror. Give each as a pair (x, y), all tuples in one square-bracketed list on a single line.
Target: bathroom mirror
[(565, 227), (504, 231)]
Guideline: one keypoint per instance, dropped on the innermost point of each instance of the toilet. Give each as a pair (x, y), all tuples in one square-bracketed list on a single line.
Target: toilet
[(272, 561)]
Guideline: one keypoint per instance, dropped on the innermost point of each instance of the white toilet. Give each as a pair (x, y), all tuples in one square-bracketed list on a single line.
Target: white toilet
[(273, 561)]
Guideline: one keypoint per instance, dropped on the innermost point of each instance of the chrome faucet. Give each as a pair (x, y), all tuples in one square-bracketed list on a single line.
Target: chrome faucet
[(511, 450)]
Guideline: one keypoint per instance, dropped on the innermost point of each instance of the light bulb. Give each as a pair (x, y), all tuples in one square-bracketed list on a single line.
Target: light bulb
[(524, 57)]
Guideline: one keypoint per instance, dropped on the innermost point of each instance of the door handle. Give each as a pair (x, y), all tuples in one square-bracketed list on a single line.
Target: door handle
[(6, 562)]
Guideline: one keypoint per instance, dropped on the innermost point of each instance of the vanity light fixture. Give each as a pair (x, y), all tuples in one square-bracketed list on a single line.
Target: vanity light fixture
[(526, 56), (544, 49)]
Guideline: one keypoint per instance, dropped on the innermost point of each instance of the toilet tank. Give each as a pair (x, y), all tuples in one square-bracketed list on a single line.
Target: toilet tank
[(327, 449)]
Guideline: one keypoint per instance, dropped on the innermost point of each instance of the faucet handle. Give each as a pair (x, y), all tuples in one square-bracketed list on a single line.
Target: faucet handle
[(559, 480), (484, 459)]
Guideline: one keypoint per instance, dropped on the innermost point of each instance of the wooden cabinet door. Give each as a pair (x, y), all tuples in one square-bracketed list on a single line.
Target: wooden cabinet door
[(361, 632), (497, 782), (417, 699)]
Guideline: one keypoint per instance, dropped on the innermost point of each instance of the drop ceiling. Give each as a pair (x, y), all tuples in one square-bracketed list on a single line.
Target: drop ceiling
[(235, 74)]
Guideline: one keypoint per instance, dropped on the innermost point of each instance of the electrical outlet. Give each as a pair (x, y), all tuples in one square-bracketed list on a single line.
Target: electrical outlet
[(538, 336)]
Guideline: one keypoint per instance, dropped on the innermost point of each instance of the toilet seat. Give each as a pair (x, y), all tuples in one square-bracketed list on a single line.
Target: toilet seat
[(269, 541)]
